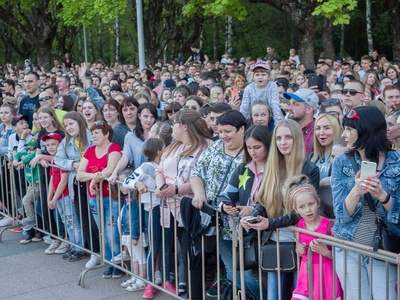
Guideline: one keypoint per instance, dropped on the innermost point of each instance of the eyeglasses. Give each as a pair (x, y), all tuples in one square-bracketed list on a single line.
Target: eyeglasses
[(190, 107), (330, 102), (99, 123), (352, 114), (45, 98), (197, 74), (31, 148), (352, 92)]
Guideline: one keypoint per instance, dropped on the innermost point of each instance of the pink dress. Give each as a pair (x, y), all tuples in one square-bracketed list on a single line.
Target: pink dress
[(301, 291)]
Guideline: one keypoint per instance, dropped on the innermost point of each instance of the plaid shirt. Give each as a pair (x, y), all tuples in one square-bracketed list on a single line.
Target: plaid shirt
[(308, 135)]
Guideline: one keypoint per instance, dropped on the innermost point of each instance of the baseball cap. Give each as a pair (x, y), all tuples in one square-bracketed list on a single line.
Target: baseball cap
[(53, 135), (28, 61), (31, 143), (18, 118), (116, 87), (304, 95), (261, 64)]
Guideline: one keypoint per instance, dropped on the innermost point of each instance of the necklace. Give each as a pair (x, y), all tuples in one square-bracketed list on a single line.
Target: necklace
[(325, 158)]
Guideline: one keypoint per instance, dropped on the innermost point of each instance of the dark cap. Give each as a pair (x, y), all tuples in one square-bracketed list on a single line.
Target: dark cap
[(18, 118), (116, 87)]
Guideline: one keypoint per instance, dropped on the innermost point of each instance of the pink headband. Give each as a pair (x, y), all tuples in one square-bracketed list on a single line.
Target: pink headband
[(302, 189)]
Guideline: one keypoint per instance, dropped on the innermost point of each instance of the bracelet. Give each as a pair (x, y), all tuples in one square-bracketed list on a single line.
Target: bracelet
[(386, 199), (176, 190)]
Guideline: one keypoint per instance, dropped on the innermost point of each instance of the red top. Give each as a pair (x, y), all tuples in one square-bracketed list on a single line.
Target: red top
[(98, 164), (55, 173)]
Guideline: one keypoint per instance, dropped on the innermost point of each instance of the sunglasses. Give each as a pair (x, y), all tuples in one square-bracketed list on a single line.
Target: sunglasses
[(31, 148), (352, 92), (45, 98), (330, 102), (352, 114), (190, 107), (99, 123)]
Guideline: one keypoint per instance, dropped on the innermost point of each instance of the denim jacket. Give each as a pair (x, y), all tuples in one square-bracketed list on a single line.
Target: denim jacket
[(343, 180), (67, 155)]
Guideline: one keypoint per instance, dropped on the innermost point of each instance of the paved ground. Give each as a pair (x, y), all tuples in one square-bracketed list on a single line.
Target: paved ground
[(26, 272)]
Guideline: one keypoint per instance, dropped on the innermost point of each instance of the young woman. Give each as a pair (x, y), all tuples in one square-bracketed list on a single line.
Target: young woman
[(90, 112), (69, 154), (371, 80), (327, 129), (166, 95), (65, 102), (193, 102), (286, 159), (170, 110), (217, 94), (97, 163), (366, 138), (110, 111), (204, 93), (78, 106), (393, 129), (393, 74), (7, 112), (331, 77), (238, 199)]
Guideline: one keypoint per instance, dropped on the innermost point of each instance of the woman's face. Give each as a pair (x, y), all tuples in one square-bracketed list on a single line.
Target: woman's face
[(110, 114), (71, 127), (240, 83), (89, 111), (203, 97), (130, 114), (192, 104), (146, 119), (60, 103), (119, 98), (350, 136), (153, 134), (166, 95), (98, 137), (171, 115), (217, 95), (45, 120), (324, 132), (122, 76), (393, 130), (386, 66), (180, 98), (6, 115), (260, 115), (178, 131), (257, 150), (106, 90), (231, 137), (79, 107), (35, 121), (371, 79), (300, 80), (284, 140), (392, 74), (332, 77)]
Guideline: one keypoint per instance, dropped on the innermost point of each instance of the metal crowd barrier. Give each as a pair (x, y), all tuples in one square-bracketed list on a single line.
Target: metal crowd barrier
[(49, 222)]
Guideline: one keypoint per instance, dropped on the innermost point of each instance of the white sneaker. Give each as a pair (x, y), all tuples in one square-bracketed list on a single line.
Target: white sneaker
[(47, 239), (5, 222), (53, 246), (63, 248), (128, 282), (125, 256), (158, 277), (93, 261)]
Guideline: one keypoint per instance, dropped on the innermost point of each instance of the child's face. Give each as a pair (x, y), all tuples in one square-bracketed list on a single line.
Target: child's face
[(21, 126), (306, 206), (30, 149), (337, 150), (51, 146), (260, 77)]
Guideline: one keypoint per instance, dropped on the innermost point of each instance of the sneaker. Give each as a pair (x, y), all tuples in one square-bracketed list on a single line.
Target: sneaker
[(128, 282), (47, 239), (93, 261), (108, 272), (125, 256), (53, 246), (169, 287), (68, 254), (5, 222), (137, 286), (158, 277), (213, 292), (38, 237), (63, 248), (182, 287), (26, 240), (75, 256), (149, 292), (28, 223), (117, 273), (16, 229)]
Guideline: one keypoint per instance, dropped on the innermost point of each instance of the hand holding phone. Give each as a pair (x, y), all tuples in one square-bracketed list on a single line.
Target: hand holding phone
[(253, 220), (368, 169)]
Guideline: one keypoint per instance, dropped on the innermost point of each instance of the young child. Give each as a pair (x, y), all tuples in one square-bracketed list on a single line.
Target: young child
[(305, 202), (58, 196), (261, 89), (141, 179), (22, 160)]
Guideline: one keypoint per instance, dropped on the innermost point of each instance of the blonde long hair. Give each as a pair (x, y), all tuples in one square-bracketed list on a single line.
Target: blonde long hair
[(277, 169)]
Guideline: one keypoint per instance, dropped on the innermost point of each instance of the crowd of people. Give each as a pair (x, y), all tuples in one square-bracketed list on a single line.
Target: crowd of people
[(260, 139)]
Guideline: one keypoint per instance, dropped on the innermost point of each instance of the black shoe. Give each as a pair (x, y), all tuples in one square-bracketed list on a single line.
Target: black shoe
[(76, 256), (108, 272), (67, 255), (117, 273)]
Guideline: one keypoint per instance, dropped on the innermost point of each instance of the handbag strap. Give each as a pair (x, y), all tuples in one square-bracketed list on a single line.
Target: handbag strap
[(227, 171), (367, 196)]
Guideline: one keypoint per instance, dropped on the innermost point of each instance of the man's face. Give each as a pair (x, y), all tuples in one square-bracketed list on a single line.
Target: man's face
[(355, 100), (297, 110), (96, 82), (130, 82), (7, 87), (208, 83), (157, 73), (43, 80), (165, 76), (61, 83), (392, 98), (345, 69), (213, 119), (270, 50), (191, 71), (337, 66), (31, 83), (365, 64)]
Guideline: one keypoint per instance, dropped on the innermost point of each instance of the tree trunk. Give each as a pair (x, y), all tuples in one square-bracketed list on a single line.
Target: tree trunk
[(327, 37), (215, 39), (117, 52), (341, 40), (368, 21), (228, 34), (80, 50), (43, 53), (394, 12), (99, 40), (307, 38)]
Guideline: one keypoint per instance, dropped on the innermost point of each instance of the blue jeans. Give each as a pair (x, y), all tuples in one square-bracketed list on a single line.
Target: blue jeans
[(286, 284), (70, 219), (379, 278), (250, 276), (111, 234), (156, 247)]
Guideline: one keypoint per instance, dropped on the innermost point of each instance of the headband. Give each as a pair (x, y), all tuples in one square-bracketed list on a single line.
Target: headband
[(302, 189)]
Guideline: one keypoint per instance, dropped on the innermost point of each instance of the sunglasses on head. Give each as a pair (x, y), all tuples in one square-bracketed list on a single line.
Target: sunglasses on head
[(45, 98), (330, 102), (352, 114), (99, 123), (352, 92), (190, 107)]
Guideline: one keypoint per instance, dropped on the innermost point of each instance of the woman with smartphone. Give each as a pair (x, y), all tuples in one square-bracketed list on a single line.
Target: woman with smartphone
[(286, 158), (238, 199), (359, 199)]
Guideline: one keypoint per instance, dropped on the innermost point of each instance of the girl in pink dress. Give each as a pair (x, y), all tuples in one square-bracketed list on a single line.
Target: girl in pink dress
[(306, 203)]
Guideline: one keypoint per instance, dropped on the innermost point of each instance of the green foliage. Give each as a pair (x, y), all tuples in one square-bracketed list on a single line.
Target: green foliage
[(76, 12), (217, 8), (337, 9)]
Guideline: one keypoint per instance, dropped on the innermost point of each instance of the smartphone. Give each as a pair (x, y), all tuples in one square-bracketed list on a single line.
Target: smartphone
[(164, 186), (313, 79), (235, 93), (230, 204), (368, 169), (253, 220)]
